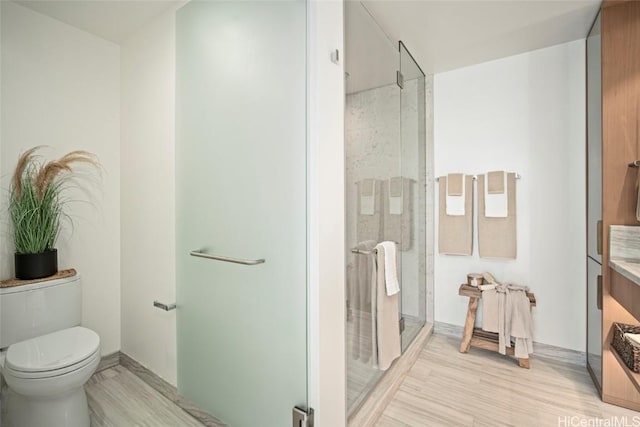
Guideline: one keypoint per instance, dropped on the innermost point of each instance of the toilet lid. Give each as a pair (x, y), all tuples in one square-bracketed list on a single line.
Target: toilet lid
[(53, 351)]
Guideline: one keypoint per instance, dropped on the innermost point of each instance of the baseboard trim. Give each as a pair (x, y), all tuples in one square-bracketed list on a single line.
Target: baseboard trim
[(108, 361), (557, 354), (168, 391), (374, 405)]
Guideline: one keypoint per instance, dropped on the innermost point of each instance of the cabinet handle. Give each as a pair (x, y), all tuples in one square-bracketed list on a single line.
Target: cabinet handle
[(599, 292), (599, 238)]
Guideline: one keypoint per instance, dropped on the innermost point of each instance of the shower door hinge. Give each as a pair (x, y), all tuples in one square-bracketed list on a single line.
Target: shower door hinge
[(399, 79), (401, 325), (302, 418)]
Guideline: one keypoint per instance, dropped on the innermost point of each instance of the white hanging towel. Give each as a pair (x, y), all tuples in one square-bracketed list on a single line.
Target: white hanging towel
[(390, 270), (455, 202), (496, 204)]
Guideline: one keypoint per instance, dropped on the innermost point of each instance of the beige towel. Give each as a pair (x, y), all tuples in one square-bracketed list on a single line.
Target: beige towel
[(359, 295), (455, 233), (396, 195), (490, 310), (367, 196), (521, 324), (496, 205), (454, 184), (369, 227), (398, 227), (506, 311), (385, 320), (497, 237), (496, 182)]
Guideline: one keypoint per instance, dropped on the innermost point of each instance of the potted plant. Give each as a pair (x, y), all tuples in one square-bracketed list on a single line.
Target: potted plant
[(36, 208)]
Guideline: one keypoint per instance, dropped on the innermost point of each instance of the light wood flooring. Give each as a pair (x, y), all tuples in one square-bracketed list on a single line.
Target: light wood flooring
[(361, 376), (118, 398), (482, 388)]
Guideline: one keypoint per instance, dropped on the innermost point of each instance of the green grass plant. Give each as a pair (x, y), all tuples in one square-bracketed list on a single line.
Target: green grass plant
[(36, 202)]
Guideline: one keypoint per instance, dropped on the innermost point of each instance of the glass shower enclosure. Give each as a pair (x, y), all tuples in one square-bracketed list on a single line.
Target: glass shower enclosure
[(241, 156), (385, 188)]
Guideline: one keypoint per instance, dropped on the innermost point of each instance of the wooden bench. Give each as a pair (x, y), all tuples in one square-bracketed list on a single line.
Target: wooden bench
[(476, 337)]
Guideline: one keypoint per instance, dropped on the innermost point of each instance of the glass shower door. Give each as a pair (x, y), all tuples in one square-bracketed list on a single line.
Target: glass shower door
[(241, 209), (413, 260)]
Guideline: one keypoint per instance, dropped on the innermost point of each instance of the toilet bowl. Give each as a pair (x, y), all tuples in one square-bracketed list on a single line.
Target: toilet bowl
[(45, 376)]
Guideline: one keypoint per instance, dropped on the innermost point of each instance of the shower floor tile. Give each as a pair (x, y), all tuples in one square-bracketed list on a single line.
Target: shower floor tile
[(118, 398)]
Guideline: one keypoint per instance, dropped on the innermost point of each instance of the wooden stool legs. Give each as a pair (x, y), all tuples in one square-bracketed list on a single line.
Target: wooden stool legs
[(486, 340), (469, 325)]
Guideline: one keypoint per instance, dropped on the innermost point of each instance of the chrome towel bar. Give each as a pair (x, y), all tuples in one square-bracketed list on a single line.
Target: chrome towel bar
[(518, 176), (201, 254), (362, 252), (635, 164), (163, 306)]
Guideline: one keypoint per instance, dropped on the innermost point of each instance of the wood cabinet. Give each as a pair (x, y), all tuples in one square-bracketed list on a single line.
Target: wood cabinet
[(618, 26)]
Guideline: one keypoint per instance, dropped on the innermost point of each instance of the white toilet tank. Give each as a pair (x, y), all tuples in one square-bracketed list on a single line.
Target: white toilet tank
[(29, 311)]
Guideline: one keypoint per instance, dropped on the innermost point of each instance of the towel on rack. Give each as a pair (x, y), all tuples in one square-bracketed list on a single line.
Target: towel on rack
[(456, 190), (455, 184), (398, 227), (367, 197), (497, 237), (396, 192), (496, 195), (392, 284), (360, 300), (369, 227), (385, 328), (455, 233), (496, 182)]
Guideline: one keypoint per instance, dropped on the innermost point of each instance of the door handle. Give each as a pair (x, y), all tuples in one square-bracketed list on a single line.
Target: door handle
[(200, 254), (599, 238), (599, 293)]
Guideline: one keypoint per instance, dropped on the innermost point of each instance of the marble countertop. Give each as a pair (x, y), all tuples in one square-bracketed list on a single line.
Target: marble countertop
[(624, 246), (629, 268)]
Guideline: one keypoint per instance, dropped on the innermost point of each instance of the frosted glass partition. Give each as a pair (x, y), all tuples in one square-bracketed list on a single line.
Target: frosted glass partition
[(241, 193)]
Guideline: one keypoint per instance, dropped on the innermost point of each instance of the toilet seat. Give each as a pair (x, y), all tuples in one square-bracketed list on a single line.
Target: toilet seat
[(53, 354), (52, 373)]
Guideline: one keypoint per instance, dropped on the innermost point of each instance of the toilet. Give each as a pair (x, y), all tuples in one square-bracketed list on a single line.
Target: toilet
[(45, 356)]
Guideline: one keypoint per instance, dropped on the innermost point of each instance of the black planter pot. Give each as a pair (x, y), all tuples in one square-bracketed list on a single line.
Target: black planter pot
[(36, 266)]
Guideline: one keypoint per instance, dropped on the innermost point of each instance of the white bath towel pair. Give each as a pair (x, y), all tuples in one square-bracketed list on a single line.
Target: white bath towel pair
[(496, 203)]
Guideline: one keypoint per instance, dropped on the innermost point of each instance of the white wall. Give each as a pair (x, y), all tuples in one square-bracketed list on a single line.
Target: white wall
[(148, 195), (61, 87), (525, 114), (326, 307)]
